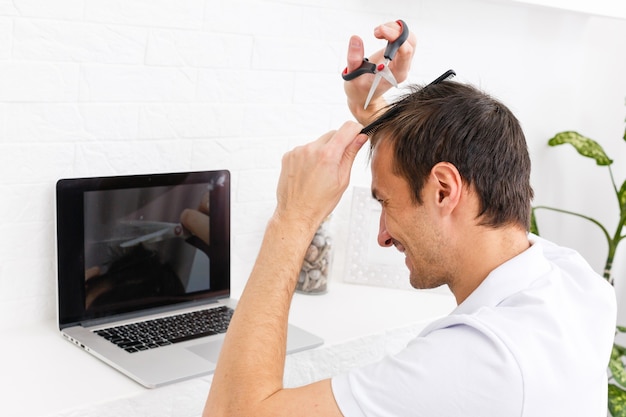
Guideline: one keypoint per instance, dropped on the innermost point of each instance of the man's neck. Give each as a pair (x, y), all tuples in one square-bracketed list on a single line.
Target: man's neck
[(482, 252)]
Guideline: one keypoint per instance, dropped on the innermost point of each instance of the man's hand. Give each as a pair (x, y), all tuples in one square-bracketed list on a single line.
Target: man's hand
[(357, 89), (197, 221), (314, 176)]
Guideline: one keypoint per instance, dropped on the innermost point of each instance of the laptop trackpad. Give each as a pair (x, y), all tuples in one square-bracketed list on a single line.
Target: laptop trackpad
[(209, 351)]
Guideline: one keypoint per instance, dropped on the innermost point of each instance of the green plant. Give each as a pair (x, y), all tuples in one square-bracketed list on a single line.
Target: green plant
[(591, 149)]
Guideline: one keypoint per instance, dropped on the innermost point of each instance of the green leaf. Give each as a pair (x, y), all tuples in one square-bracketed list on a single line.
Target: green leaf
[(617, 351), (585, 146), (533, 223), (621, 329), (616, 366), (617, 401), (621, 196)]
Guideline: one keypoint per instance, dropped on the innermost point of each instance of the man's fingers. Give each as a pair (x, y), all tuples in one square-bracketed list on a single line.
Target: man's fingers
[(94, 271), (346, 134), (326, 137), (349, 141), (389, 31), (353, 148), (342, 136), (402, 61), (197, 223), (204, 205), (356, 53)]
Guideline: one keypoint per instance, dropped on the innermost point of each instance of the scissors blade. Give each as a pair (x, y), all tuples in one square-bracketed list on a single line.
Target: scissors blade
[(172, 231), (388, 75), (372, 89)]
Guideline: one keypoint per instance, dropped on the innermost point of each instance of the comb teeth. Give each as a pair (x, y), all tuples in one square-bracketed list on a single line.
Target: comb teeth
[(368, 130), (372, 127)]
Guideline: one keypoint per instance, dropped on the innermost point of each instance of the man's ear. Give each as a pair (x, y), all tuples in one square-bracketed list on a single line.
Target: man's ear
[(448, 185)]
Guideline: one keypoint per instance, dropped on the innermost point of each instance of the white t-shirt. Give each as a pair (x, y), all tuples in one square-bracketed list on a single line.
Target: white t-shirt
[(533, 340)]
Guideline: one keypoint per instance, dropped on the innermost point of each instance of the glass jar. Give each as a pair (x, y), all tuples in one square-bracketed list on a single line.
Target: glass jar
[(314, 274)]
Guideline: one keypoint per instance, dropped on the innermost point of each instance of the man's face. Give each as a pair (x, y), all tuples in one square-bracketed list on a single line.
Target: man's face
[(412, 228)]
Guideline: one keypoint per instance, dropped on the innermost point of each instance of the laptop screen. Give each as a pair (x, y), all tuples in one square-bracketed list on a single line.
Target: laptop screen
[(127, 244)]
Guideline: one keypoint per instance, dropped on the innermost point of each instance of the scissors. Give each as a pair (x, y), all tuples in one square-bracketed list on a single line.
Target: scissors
[(163, 231), (380, 70), (153, 232)]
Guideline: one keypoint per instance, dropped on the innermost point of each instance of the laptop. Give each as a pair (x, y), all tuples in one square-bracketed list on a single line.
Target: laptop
[(144, 272)]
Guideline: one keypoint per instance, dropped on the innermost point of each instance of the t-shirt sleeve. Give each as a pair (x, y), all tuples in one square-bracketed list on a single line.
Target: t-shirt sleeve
[(459, 370)]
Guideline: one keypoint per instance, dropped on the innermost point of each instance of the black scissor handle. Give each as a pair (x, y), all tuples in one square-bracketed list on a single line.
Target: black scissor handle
[(366, 67), (392, 47)]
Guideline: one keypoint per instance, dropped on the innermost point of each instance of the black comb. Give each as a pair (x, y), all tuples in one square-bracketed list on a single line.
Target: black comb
[(371, 128)]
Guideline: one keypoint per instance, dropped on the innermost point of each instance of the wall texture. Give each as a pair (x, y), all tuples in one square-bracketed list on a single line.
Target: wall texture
[(95, 87)]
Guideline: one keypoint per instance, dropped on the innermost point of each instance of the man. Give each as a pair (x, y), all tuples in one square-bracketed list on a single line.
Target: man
[(533, 329)]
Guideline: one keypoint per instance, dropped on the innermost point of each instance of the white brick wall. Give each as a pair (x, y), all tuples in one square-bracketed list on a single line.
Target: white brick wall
[(103, 87)]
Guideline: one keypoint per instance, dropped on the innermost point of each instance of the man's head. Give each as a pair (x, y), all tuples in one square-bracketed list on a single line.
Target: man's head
[(456, 123)]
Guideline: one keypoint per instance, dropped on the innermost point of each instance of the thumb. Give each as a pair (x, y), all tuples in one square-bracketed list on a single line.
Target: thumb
[(356, 52), (353, 148)]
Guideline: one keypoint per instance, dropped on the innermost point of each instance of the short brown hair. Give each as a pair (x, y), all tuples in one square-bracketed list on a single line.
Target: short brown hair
[(460, 124)]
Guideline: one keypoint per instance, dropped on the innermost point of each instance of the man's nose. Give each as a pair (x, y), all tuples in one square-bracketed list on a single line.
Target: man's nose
[(384, 238)]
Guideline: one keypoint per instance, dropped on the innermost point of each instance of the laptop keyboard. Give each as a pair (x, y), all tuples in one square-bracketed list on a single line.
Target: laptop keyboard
[(164, 331)]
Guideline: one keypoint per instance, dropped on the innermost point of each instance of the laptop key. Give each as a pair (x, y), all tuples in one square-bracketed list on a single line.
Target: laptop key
[(192, 336), (165, 331)]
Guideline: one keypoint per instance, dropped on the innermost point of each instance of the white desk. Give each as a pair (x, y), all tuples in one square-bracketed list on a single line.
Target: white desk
[(44, 375)]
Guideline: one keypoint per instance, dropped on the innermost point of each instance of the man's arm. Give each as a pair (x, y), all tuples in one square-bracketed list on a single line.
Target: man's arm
[(357, 89), (249, 375)]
